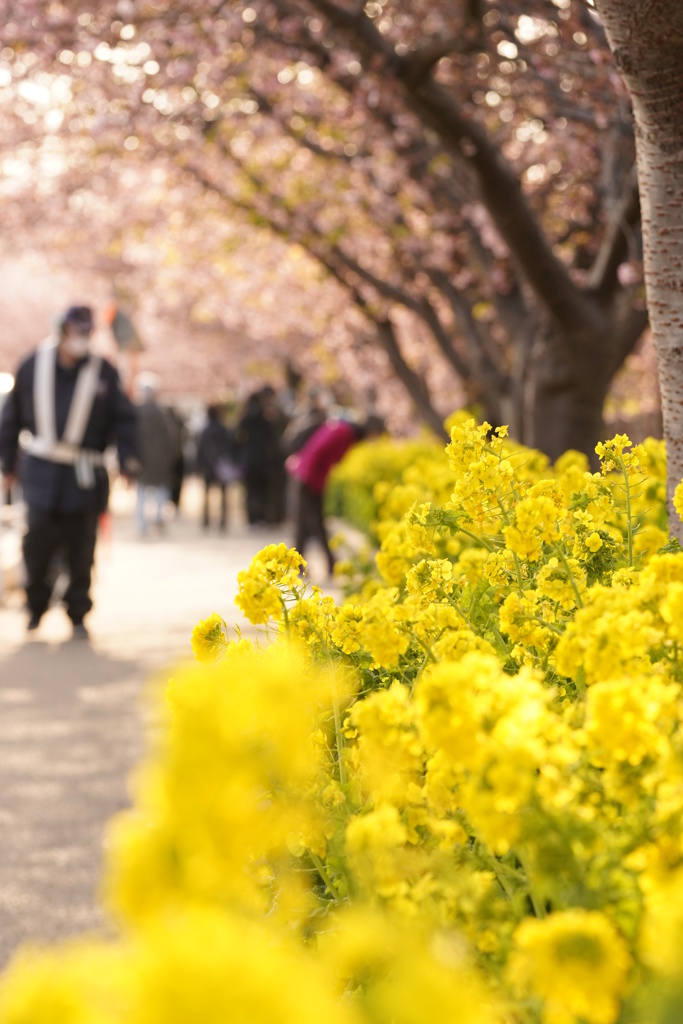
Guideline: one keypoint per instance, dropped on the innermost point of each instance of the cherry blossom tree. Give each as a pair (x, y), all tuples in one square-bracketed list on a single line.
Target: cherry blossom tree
[(472, 195)]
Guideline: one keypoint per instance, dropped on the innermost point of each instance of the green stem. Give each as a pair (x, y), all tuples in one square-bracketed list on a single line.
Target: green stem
[(474, 536), (563, 558), (539, 909), (454, 604), (479, 630), (322, 871), (518, 572), (425, 647), (504, 511), (500, 640), (502, 881), (339, 738), (629, 521), (549, 625), (285, 615), (518, 567)]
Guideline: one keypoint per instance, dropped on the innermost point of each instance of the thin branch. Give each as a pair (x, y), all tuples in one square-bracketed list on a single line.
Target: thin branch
[(420, 62), (603, 278), (484, 358), (413, 383), (421, 307), (444, 340), (301, 138), (498, 183), (384, 288), (630, 334)]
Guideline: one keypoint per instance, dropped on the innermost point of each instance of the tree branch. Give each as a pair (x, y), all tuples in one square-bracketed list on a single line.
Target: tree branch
[(444, 340), (413, 383), (386, 334), (484, 359), (419, 63), (603, 278), (498, 183), (632, 331), (421, 307)]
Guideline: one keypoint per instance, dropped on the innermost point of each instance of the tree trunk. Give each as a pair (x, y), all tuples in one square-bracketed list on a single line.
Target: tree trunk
[(647, 42), (566, 413), (568, 381)]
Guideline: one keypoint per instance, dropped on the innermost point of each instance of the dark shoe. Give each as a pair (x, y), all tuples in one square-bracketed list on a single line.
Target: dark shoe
[(33, 622), (80, 632)]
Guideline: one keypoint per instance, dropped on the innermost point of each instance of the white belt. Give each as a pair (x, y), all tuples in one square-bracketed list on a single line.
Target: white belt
[(84, 460)]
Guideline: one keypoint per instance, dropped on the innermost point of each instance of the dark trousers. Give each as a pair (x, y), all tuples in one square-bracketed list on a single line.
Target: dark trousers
[(310, 522), (208, 484), (266, 488), (72, 535), (257, 483)]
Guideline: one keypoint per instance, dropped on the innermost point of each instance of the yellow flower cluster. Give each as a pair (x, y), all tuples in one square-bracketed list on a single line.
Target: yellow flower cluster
[(209, 639), (576, 961), (456, 795), (259, 594)]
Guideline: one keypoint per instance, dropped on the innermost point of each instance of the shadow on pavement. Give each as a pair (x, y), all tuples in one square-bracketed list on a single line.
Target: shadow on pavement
[(70, 732)]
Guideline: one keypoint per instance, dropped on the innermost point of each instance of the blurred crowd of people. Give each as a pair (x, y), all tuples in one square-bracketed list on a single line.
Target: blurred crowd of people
[(67, 409), (257, 445)]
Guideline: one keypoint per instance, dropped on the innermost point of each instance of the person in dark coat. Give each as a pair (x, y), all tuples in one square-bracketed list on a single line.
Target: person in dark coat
[(259, 454), (158, 441), (311, 466), (277, 475), (178, 468), (216, 462), (66, 406)]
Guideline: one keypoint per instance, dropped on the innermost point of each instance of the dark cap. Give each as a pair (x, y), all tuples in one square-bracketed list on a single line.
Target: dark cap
[(77, 316)]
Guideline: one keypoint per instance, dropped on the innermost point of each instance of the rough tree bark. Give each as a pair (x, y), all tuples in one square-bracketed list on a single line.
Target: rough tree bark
[(646, 37)]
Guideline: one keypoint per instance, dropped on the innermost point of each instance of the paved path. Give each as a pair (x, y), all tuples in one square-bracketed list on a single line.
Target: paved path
[(71, 712)]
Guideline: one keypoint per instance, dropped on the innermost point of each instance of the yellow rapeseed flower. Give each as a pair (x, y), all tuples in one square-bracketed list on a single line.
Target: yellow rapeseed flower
[(209, 638), (576, 962)]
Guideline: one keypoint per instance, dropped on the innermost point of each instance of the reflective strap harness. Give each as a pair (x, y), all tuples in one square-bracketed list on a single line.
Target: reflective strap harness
[(44, 443)]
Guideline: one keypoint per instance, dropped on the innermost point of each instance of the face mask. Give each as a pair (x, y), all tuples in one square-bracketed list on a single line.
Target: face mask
[(78, 345)]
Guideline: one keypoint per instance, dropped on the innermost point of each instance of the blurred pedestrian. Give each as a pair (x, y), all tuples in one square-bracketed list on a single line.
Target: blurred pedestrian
[(259, 453), (65, 407), (274, 411), (177, 477), (311, 467), (216, 462), (307, 416), (158, 442)]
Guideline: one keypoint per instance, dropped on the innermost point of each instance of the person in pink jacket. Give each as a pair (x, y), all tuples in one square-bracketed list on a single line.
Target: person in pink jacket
[(311, 467)]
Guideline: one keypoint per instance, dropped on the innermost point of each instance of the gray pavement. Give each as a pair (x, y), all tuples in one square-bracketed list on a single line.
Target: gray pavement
[(72, 713)]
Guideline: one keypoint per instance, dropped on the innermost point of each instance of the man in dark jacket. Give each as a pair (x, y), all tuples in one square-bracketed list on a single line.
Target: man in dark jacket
[(65, 408)]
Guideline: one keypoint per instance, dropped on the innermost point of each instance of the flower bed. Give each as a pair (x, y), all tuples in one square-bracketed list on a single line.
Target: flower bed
[(457, 796)]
